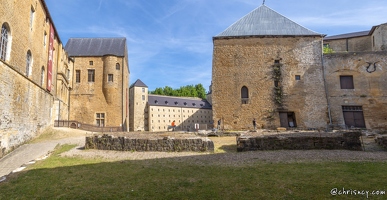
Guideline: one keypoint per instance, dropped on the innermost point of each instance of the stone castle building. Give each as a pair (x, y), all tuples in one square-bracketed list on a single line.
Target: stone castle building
[(100, 93), (156, 112), (35, 72), (270, 68), (356, 77)]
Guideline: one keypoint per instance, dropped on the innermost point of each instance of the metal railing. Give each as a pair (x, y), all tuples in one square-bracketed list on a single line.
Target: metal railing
[(86, 127)]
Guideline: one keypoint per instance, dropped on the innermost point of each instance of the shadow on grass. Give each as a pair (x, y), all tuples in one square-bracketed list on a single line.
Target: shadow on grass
[(229, 148)]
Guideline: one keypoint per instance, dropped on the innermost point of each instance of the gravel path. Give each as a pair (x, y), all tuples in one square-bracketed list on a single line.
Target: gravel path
[(225, 154)]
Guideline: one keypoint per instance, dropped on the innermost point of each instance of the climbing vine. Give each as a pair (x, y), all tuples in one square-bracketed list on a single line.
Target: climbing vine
[(277, 83)]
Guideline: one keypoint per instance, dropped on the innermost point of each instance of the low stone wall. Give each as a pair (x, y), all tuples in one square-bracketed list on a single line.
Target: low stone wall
[(381, 140), (166, 144), (347, 140)]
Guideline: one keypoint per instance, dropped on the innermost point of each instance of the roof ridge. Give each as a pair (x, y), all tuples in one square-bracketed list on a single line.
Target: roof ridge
[(265, 21)]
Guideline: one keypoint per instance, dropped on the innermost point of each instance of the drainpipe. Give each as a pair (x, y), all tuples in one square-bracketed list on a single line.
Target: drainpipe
[(326, 88)]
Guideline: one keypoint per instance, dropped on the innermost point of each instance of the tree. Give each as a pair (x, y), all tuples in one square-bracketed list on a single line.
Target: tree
[(327, 49), (184, 91)]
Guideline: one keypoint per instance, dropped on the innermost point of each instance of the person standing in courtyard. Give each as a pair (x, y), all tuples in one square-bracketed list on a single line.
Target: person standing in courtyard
[(173, 125), (254, 124), (219, 122)]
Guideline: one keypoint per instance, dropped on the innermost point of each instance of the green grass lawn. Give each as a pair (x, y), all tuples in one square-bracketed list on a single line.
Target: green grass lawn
[(78, 178)]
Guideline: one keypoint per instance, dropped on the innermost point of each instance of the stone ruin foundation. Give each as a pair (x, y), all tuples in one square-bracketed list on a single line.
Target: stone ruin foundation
[(165, 144), (305, 141)]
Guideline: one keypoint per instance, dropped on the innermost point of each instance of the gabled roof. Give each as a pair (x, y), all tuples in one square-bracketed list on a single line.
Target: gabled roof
[(96, 47), (264, 21), (184, 102), (138, 83), (347, 35)]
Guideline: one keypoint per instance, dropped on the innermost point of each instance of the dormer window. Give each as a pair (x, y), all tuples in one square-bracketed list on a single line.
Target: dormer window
[(156, 101), (166, 102), (194, 104), (176, 102), (185, 103), (201, 104)]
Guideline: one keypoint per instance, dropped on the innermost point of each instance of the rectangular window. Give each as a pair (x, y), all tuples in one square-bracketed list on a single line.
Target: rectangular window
[(298, 77), (143, 97), (346, 82), (110, 77), (100, 119), (77, 76), (143, 89), (91, 63), (90, 75)]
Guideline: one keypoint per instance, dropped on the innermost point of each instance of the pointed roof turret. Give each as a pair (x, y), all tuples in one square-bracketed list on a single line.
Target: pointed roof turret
[(264, 21), (138, 83)]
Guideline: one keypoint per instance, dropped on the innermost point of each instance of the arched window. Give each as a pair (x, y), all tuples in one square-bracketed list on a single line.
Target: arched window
[(4, 41), (244, 92), (245, 95), (42, 76), (117, 66), (28, 62)]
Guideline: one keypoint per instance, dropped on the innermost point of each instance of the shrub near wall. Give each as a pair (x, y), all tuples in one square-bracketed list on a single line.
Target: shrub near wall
[(347, 140), (381, 140), (165, 144)]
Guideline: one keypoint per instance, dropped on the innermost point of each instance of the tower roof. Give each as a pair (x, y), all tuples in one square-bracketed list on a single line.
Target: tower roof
[(138, 83), (96, 46), (264, 21)]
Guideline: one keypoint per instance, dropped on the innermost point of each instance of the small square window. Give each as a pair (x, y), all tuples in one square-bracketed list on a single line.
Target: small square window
[(91, 63), (298, 77), (346, 82)]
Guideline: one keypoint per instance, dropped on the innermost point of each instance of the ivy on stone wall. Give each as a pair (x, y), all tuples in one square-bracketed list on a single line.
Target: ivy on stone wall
[(277, 83)]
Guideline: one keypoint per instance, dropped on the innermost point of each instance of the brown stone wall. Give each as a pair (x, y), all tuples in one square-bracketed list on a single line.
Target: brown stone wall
[(101, 96), (348, 141), (138, 109), (163, 144), (379, 38), (370, 89), (250, 62), (26, 106), (350, 44)]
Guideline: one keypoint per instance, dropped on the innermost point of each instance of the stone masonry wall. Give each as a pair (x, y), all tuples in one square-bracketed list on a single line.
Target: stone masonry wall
[(370, 88), (350, 44), (348, 141), (138, 109), (250, 62), (89, 98), (25, 109), (26, 106), (166, 144)]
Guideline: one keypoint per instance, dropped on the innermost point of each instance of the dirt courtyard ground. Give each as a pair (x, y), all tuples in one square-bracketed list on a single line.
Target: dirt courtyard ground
[(224, 154)]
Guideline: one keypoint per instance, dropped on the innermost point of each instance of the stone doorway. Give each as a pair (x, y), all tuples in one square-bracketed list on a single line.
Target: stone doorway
[(353, 116), (288, 119)]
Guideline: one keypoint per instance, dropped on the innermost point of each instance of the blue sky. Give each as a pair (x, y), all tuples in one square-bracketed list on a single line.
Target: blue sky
[(170, 41)]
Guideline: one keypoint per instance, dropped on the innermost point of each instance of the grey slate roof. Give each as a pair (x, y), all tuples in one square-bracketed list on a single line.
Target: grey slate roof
[(138, 83), (264, 21), (347, 35), (158, 100), (96, 46)]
